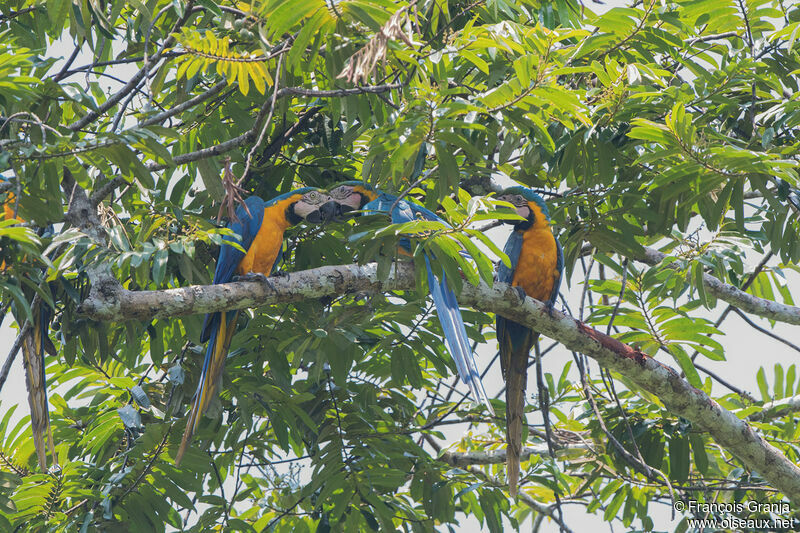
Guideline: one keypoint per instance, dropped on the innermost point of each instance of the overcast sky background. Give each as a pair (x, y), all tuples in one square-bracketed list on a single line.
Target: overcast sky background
[(746, 351)]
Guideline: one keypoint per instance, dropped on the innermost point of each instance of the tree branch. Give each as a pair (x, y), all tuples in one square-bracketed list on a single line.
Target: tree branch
[(546, 510), (663, 381), (734, 296), (776, 409), (174, 110), (82, 213), (105, 190), (250, 135), (114, 99), (495, 457)]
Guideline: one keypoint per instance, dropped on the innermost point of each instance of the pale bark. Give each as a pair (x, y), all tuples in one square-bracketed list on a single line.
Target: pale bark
[(734, 296), (677, 395)]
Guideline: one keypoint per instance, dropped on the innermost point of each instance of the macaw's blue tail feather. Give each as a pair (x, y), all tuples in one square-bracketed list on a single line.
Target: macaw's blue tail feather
[(33, 348), (221, 327), (455, 335)]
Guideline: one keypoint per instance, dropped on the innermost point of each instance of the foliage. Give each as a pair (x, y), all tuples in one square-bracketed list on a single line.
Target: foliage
[(670, 124)]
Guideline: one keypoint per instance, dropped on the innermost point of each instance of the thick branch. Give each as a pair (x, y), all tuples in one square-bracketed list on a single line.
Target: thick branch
[(205, 153), (677, 395), (82, 214), (105, 190), (734, 296)]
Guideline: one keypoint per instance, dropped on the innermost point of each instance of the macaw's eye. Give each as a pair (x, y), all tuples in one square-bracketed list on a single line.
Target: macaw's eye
[(341, 192), (313, 197), (519, 200)]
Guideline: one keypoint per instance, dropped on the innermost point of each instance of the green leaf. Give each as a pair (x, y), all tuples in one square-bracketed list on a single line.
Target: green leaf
[(761, 379), (679, 458)]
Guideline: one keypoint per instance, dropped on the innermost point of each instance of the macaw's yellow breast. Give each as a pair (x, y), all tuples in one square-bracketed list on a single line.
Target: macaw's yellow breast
[(261, 255), (536, 269), (8, 214), (368, 193), (8, 208)]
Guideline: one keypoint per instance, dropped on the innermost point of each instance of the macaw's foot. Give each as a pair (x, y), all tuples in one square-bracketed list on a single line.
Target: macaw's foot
[(280, 274), (520, 293), (252, 276)]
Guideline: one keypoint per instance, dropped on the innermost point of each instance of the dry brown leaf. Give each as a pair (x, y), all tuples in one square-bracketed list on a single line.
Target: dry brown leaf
[(362, 64)]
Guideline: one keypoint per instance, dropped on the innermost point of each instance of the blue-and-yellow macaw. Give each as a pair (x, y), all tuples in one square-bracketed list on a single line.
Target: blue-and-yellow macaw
[(356, 195), (33, 347), (536, 266), (261, 236)]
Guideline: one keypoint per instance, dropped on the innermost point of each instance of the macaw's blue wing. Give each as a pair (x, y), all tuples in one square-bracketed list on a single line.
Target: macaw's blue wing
[(447, 309), (218, 328), (33, 348), (229, 257)]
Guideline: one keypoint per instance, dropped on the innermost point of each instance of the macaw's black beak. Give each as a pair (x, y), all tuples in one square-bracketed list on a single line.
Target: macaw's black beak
[(330, 210), (327, 212)]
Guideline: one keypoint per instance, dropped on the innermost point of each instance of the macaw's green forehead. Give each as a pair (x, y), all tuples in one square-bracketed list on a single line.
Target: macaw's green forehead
[(361, 187), (529, 195), (301, 191), (356, 185)]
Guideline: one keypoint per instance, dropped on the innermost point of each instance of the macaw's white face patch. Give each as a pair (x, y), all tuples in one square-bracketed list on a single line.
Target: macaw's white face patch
[(310, 203), (520, 204), (347, 197)]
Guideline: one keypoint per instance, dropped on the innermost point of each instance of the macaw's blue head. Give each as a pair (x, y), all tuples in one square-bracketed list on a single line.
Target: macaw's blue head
[(352, 195), (309, 204), (528, 205)]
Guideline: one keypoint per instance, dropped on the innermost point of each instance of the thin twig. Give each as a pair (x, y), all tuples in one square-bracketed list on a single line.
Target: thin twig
[(588, 271), (544, 406), (751, 278), (114, 99), (411, 187), (765, 331), (637, 463), (621, 294), (267, 122)]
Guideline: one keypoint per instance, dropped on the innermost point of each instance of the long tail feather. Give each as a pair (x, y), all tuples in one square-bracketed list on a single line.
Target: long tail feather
[(213, 365), (33, 358), (516, 383), (455, 336), (515, 345)]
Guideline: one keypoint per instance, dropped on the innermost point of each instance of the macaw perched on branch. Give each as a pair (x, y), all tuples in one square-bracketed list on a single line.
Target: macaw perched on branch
[(356, 195), (536, 266), (33, 348), (261, 233)]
